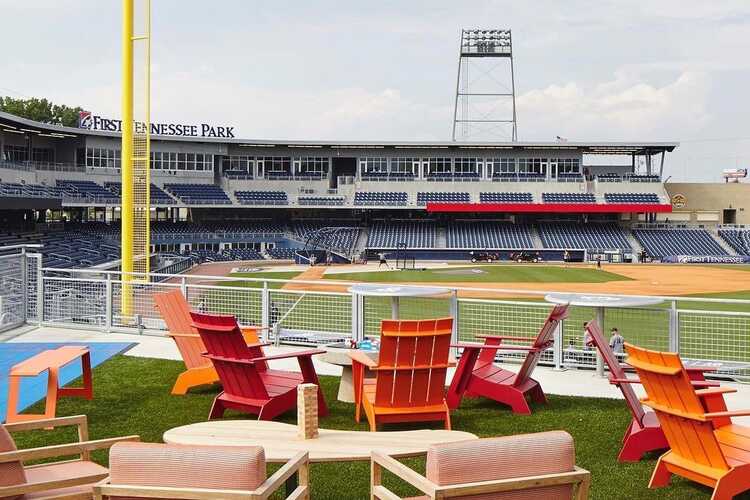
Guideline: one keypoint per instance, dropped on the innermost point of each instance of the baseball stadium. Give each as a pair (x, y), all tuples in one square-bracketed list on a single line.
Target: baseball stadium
[(321, 248)]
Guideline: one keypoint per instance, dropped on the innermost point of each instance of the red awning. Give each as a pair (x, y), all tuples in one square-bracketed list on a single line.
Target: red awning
[(609, 208)]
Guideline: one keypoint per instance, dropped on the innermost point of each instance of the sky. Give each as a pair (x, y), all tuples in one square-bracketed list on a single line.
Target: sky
[(666, 70)]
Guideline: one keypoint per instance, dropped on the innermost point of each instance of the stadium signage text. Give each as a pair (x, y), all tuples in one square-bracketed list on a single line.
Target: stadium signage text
[(90, 121), (706, 259)]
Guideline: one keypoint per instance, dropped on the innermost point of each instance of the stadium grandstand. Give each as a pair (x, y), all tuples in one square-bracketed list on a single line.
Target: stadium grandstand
[(220, 199)]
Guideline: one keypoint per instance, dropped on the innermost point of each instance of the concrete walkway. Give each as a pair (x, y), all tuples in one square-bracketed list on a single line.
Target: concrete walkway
[(568, 383)]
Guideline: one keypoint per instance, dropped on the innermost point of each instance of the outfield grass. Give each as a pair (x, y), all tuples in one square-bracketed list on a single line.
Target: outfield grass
[(270, 275), (500, 273), (131, 396)]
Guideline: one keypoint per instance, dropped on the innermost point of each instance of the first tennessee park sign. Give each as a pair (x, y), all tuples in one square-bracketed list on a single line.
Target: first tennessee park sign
[(90, 121)]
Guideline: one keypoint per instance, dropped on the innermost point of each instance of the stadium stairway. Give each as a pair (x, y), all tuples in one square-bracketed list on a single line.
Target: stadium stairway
[(634, 244), (714, 232), (361, 244), (536, 240)]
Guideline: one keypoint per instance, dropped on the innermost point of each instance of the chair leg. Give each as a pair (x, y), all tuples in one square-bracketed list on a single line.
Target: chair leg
[(537, 394), (517, 402), (661, 475), (357, 412), (733, 483), (217, 409), (447, 419)]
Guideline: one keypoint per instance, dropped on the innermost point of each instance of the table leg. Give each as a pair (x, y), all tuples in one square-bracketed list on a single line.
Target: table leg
[(599, 359), (346, 385), (11, 414)]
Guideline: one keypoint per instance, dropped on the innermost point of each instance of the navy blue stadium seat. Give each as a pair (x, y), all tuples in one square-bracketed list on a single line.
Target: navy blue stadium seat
[(652, 198), (505, 197), (262, 197), (412, 234), (199, 194), (443, 197), (488, 235), (380, 198), (592, 236), (568, 198), (664, 242)]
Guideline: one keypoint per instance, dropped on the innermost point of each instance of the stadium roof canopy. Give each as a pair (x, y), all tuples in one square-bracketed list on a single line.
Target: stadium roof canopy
[(605, 148)]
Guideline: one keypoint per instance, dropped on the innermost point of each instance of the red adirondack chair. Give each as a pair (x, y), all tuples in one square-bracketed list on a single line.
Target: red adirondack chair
[(478, 375), (644, 433), (409, 384), (249, 384)]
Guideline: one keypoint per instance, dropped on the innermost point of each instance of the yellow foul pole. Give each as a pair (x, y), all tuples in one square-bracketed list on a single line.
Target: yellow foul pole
[(127, 159)]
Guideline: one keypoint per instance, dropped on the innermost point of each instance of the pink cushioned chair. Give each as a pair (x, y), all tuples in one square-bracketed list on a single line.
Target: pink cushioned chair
[(150, 470), (66, 479), (523, 467)]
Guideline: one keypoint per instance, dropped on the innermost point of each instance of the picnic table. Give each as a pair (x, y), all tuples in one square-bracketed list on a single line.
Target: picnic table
[(50, 361)]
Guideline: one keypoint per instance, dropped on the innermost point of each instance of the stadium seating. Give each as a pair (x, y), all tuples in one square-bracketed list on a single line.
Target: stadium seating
[(158, 197), (412, 234), (505, 197), (442, 197), (739, 239), (262, 197), (332, 201), (642, 178), (380, 198), (282, 253), (570, 177), (663, 242), (593, 236), (568, 198), (531, 177), (238, 174), (610, 177), (88, 190), (199, 194), (631, 198), (488, 235)]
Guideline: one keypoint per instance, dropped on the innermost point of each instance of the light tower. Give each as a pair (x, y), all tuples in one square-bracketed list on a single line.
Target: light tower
[(485, 107), (136, 124)]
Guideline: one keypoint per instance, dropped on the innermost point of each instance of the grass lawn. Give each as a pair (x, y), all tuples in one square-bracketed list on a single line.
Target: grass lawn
[(271, 275), (131, 396), (501, 273)]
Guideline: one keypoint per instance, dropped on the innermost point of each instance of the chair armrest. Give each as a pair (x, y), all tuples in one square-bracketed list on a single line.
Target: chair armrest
[(505, 337), (701, 369), (184, 335), (52, 484), (310, 352), (299, 463), (715, 390), (108, 490), (576, 476), (214, 357), (615, 381), (48, 423), (730, 413), (379, 461), (260, 344), (362, 358), (60, 450), (500, 347)]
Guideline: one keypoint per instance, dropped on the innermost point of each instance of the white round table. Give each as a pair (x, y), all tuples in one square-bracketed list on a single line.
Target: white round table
[(600, 303), (395, 292)]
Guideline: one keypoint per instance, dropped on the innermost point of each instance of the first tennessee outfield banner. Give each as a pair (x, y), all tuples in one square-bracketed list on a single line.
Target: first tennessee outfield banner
[(707, 259), (90, 121)]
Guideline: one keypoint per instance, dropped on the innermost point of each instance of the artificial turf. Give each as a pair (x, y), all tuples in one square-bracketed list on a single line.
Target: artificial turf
[(498, 273), (131, 396)]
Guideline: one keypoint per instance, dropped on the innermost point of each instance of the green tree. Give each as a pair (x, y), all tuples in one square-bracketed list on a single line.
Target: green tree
[(41, 110)]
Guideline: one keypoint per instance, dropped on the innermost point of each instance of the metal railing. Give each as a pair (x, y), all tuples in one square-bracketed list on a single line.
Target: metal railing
[(714, 331)]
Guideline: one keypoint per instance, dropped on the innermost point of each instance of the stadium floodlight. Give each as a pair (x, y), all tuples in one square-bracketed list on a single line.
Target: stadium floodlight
[(485, 105), (136, 147)]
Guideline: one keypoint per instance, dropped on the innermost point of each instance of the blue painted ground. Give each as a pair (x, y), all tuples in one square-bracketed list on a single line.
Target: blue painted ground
[(34, 389)]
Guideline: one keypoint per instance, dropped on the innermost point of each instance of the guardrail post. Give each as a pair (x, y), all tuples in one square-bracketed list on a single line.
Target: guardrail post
[(183, 286), (265, 309), (108, 304), (39, 292), (454, 314), (24, 284), (557, 346), (674, 328)]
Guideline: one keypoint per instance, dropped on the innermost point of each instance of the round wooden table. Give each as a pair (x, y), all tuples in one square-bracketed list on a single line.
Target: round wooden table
[(281, 441), (339, 356)]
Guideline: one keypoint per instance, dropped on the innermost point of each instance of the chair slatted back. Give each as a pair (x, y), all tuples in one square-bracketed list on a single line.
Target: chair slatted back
[(175, 311), (543, 340), (230, 355), (413, 362), (615, 370), (672, 396)]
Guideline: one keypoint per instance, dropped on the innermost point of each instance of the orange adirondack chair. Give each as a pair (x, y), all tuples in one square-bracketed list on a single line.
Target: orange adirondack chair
[(249, 385), (706, 446), (409, 384), (478, 375), (175, 311), (644, 433)]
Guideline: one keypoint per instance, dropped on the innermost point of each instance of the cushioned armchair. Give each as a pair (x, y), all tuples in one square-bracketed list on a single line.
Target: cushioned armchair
[(527, 466), (65, 479), (150, 470)]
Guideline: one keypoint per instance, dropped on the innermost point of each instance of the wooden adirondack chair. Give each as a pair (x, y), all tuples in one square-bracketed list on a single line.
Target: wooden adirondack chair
[(644, 433), (175, 311), (249, 384), (477, 375), (706, 446), (409, 384)]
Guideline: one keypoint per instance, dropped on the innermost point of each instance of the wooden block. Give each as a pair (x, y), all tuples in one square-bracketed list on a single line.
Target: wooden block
[(307, 411)]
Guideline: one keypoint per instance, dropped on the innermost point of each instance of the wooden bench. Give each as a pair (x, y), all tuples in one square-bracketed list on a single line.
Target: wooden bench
[(50, 361)]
